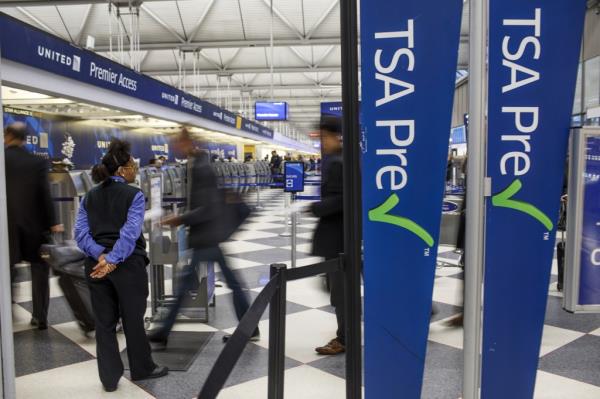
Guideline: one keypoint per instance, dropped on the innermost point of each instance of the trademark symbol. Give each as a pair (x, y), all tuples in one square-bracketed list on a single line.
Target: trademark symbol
[(426, 252), (546, 236)]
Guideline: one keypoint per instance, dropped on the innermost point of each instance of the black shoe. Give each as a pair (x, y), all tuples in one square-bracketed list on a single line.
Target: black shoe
[(155, 337), (254, 338), (40, 325), (159, 371), (109, 389)]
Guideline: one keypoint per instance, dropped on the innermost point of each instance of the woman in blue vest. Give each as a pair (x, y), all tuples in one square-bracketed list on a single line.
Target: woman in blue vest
[(109, 230)]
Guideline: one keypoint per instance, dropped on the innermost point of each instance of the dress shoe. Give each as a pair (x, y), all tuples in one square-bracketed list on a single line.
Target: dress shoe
[(254, 338), (159, 371), (334, 347), (109, 389), (40, 325)]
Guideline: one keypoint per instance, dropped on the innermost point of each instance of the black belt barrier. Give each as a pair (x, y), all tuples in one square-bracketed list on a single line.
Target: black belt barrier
[(275, 294)]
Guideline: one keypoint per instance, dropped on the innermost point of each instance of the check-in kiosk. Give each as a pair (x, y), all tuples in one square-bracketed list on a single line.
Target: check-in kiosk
[(169, 248), (582, 257), (67, 189)]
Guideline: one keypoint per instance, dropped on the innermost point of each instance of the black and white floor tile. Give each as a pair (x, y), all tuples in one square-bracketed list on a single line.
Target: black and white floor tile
[(60, 362)]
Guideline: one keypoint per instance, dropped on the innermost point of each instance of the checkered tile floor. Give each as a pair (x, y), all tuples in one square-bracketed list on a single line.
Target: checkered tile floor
[(59, 363)]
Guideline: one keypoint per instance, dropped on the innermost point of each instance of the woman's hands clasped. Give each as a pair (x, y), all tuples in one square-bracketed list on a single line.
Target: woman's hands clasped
[(103, 268)]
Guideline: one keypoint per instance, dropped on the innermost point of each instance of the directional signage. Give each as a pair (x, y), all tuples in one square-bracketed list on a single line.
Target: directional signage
[(293, 177), (409, 57), (29, 46), (532, 72)]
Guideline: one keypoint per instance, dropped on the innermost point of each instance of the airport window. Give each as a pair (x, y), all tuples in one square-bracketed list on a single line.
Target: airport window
[(592, 83)]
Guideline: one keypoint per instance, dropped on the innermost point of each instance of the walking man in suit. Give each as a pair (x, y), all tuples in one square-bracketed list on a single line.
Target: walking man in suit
[(328, 240), (31, 215)]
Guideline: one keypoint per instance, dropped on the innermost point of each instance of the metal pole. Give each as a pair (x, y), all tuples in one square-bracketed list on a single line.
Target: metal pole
[(352, 198), (286, 232), (7, 367), (277, 314), (475, 241), (294, 234)]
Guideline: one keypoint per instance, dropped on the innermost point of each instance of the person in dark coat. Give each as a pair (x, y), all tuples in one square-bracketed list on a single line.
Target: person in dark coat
[(209, 220), (31, 216), (328, 240), (108, 230)]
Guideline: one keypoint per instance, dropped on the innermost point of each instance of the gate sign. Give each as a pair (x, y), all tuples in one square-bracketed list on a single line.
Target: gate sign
[(532, 72), (409, 58), (589, 285)]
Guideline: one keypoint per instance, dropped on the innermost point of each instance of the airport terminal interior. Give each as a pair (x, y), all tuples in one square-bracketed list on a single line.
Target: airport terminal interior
[(257, 85)]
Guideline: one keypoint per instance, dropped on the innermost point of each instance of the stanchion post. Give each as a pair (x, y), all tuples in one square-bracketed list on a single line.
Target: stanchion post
[(475, 231), (294, 234), (286, 220), (258, 204), (277, 314)]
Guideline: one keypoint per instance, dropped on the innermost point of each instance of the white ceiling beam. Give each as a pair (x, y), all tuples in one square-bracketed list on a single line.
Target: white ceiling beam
[(322, 19), (244, 70), (300, 56), (333, 86), (162, 23), (38, 21), (200, 21), (34, 3), (325, 55), (84, 24), (283, 19), (233, 44), (232, 59)]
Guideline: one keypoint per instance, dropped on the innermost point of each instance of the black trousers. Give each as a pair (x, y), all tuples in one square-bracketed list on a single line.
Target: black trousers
[(26, 247), (338, 301), (122, 293), (241, 301)]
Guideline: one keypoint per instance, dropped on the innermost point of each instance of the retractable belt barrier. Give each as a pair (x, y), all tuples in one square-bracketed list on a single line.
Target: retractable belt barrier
[(274, 293)]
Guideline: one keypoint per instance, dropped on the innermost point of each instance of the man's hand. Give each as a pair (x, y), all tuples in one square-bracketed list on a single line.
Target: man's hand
[(171, 221), (59, 228), (102, 268)]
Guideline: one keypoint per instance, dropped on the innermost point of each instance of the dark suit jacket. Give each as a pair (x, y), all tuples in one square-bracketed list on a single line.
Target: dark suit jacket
[(205, 205), (328, 240), (30, 207)]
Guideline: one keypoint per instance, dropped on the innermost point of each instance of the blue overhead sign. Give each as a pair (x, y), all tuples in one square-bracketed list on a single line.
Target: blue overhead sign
[(409, 57), (29, 46), (265, 111), (533, 60), (332, 108)]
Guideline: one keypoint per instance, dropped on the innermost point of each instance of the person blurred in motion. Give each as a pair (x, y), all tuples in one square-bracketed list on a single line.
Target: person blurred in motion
[(275, 163), (328, 240), (210, 221), (109, 230), (155, 163), (31, 216)]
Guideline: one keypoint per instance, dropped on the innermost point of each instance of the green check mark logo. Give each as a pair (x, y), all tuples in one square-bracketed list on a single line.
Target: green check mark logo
[(381, 215), (505, 200)]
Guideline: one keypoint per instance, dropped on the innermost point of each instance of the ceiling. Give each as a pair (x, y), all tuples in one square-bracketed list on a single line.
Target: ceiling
[(229, 41)]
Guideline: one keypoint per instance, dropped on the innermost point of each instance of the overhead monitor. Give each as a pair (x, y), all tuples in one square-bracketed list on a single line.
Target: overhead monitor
[(270, 111)]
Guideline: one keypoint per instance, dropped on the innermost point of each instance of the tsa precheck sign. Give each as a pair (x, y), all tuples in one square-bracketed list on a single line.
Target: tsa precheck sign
[(532, 72), (409, 57)]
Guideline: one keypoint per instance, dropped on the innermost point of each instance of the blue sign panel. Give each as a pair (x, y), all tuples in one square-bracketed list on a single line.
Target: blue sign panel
[(449, 206), (332, 108), (589, 285), (409, 57), (293, 177), (532, 72), (271, 111), (29, 46)]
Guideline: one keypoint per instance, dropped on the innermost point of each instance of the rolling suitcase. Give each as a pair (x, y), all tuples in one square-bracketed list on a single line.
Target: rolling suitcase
[(68, 263)]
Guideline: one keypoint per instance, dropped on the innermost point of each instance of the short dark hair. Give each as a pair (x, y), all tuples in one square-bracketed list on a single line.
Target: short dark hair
[(331, 124), (17, 130), (152, 161)]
